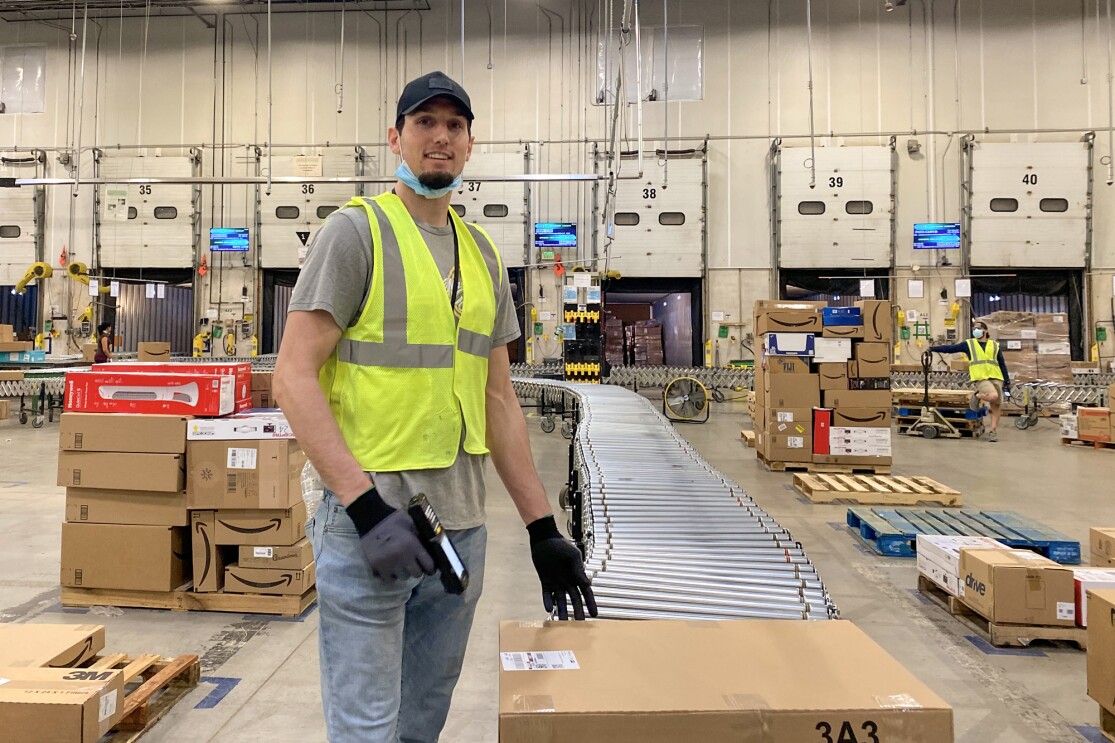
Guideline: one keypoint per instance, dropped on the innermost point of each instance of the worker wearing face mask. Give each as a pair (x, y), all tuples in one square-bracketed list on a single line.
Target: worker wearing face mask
[(987, 370)]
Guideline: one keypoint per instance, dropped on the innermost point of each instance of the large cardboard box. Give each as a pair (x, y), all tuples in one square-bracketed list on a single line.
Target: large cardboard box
[(49, 645), (117, 390), (7, 333), (859, 441), (786, 448), (858, 399), (832, 350), (1093, 424), (269, 581), (161, 473), (89, 352), (1101, 648), (123, 432), (16, 346), (785, 365), (872, 360), (136, 558), (294, 557), (209, 559), (59, 705), (939, 558), (1090, 579), (150, 351), (788, 321), (877, 320), (1102, 546), (761, 681), (261, 527), (833, 376), (1018, 587), (790, 391), (90, 506), (245, 474), (861, 417)]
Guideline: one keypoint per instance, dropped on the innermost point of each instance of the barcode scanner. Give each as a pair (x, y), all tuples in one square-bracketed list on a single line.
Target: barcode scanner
[(454, 574)]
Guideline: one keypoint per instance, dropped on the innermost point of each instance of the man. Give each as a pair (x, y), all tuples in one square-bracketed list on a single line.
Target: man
[(394, 376), (987, 369)]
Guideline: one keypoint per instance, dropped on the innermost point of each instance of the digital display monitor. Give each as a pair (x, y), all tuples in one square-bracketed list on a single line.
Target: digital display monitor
[(229, 239), (937, 236), (555, 234)]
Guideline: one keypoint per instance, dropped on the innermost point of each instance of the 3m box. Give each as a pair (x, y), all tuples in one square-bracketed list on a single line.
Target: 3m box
[(1101, 648), (871, 360), (861, 418), (158, 352), (90, 506), (269, 581), (788, 321), (60, 705), (857, 399), (240, 371), (833, 376), (842, 331), (160, 473), (256, 425), (939, 558), (262, 527), (786, 365), (135, 558), (294, 557), (1101, 542), (209, 559), (1090, 579), (760, 681), (123, 432), (118, 391), (784, 448), (244, 474), (1018, 587), (49, 645), (1093, 424), (788, 344), (790, 391), (877, 320)]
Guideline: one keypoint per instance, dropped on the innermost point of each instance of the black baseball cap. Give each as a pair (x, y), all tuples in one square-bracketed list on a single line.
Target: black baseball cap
[(432, 85)]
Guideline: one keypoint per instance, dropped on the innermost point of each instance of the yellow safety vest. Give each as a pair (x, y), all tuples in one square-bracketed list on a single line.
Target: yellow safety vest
[(983, 362), (405, 377)]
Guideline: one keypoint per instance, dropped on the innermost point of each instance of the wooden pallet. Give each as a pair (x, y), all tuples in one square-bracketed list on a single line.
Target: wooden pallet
[(818, 467), (162, 682), (183, 600), (1088, 444), (938, 398), (748, 438), (877, 490), (1000, 635)]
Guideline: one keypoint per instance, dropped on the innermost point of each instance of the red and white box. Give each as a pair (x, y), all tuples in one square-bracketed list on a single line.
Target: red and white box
[(822, 428), (1089, 579), (105, 391), (241, 371)]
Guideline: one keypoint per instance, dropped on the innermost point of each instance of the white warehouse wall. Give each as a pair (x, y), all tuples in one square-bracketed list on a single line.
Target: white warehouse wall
[(1004, 68)]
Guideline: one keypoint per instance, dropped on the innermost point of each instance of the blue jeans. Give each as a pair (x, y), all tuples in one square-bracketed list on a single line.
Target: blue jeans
[(391, 653)]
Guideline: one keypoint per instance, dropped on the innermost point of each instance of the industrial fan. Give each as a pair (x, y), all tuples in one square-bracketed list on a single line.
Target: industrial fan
[(684, 400)]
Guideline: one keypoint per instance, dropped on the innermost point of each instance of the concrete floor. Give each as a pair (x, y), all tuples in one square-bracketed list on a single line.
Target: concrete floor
[(261, 674)]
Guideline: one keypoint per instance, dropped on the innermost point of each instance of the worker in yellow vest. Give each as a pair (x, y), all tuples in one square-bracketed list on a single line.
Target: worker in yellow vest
[(394, 375), (988, 371)]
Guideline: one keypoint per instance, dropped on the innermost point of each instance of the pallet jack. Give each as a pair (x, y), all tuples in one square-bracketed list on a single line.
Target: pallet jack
[(931, 424)]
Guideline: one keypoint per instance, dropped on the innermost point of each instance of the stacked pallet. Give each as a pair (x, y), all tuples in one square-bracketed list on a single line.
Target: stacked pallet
[(645, 341), (1035, 345)]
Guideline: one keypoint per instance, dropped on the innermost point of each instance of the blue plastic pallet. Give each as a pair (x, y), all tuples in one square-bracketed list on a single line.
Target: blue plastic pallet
[(965, 413), (893, 531)]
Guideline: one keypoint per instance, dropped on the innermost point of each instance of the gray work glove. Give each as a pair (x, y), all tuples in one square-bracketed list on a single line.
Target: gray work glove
[(389, 539)]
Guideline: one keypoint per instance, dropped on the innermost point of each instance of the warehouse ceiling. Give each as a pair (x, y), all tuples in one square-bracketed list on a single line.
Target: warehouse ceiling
[(59, 10)]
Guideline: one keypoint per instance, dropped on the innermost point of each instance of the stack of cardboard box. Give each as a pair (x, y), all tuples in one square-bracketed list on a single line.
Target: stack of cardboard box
[(823, 385), (614, 345), (1035, 345), (646, 343), (10, 348), (1090, 424), (247, 516)]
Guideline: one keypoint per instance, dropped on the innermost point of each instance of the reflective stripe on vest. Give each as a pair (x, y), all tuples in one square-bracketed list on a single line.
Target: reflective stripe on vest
[(983, 362)]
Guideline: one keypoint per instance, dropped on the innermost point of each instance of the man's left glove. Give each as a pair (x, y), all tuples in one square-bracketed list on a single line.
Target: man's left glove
[(560, 569)]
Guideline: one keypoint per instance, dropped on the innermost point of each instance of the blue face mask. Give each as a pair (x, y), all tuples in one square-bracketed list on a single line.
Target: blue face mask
[(977, 333), (407, 176)]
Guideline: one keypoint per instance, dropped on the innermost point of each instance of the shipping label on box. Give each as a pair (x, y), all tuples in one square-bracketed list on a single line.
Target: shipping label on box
[(264, 527), (296, 556), (1090, 579), (1018, 587), (136, 392), (60, 705), (123, 433), (160, 473), (269, 581), (91, 506), (134, 558), (244, 474)]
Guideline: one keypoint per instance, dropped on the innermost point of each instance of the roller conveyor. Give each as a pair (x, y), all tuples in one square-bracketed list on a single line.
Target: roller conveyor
[(665, 534)]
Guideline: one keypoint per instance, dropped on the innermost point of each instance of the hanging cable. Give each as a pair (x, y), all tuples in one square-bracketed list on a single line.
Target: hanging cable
[(340, 87), (812, 138), (1110, 107), (666, 93), (270, 141)]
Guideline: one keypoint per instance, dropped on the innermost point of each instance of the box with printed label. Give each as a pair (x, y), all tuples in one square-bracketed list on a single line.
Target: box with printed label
[(254, 425), (862, 418), (1068, 426), (789, 428), (841, 316), (136, 558), (939, 558), (60, 705), (123, 432), (786, 365), (788, 344), (1101, 542), (789, 415), (857, 399), (266, 527), (842, 331), (877, 320), (871, 360), (790, 391), (782, 448), (1101, 648), (160, 473), (860, 441), (833, 376), (240, 371), (105, 391), (209, 559), (244, 474), (1090, 579), (708, 682), (53, 645), (859, 449), (92, 506), (788, 321), (1093, 424), (296, 556), (1018, 587), (270, 581), (153, 351), (832, 350)]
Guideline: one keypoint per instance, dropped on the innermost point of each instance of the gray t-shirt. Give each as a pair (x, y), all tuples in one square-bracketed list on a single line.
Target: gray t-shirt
[(337, 278)]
